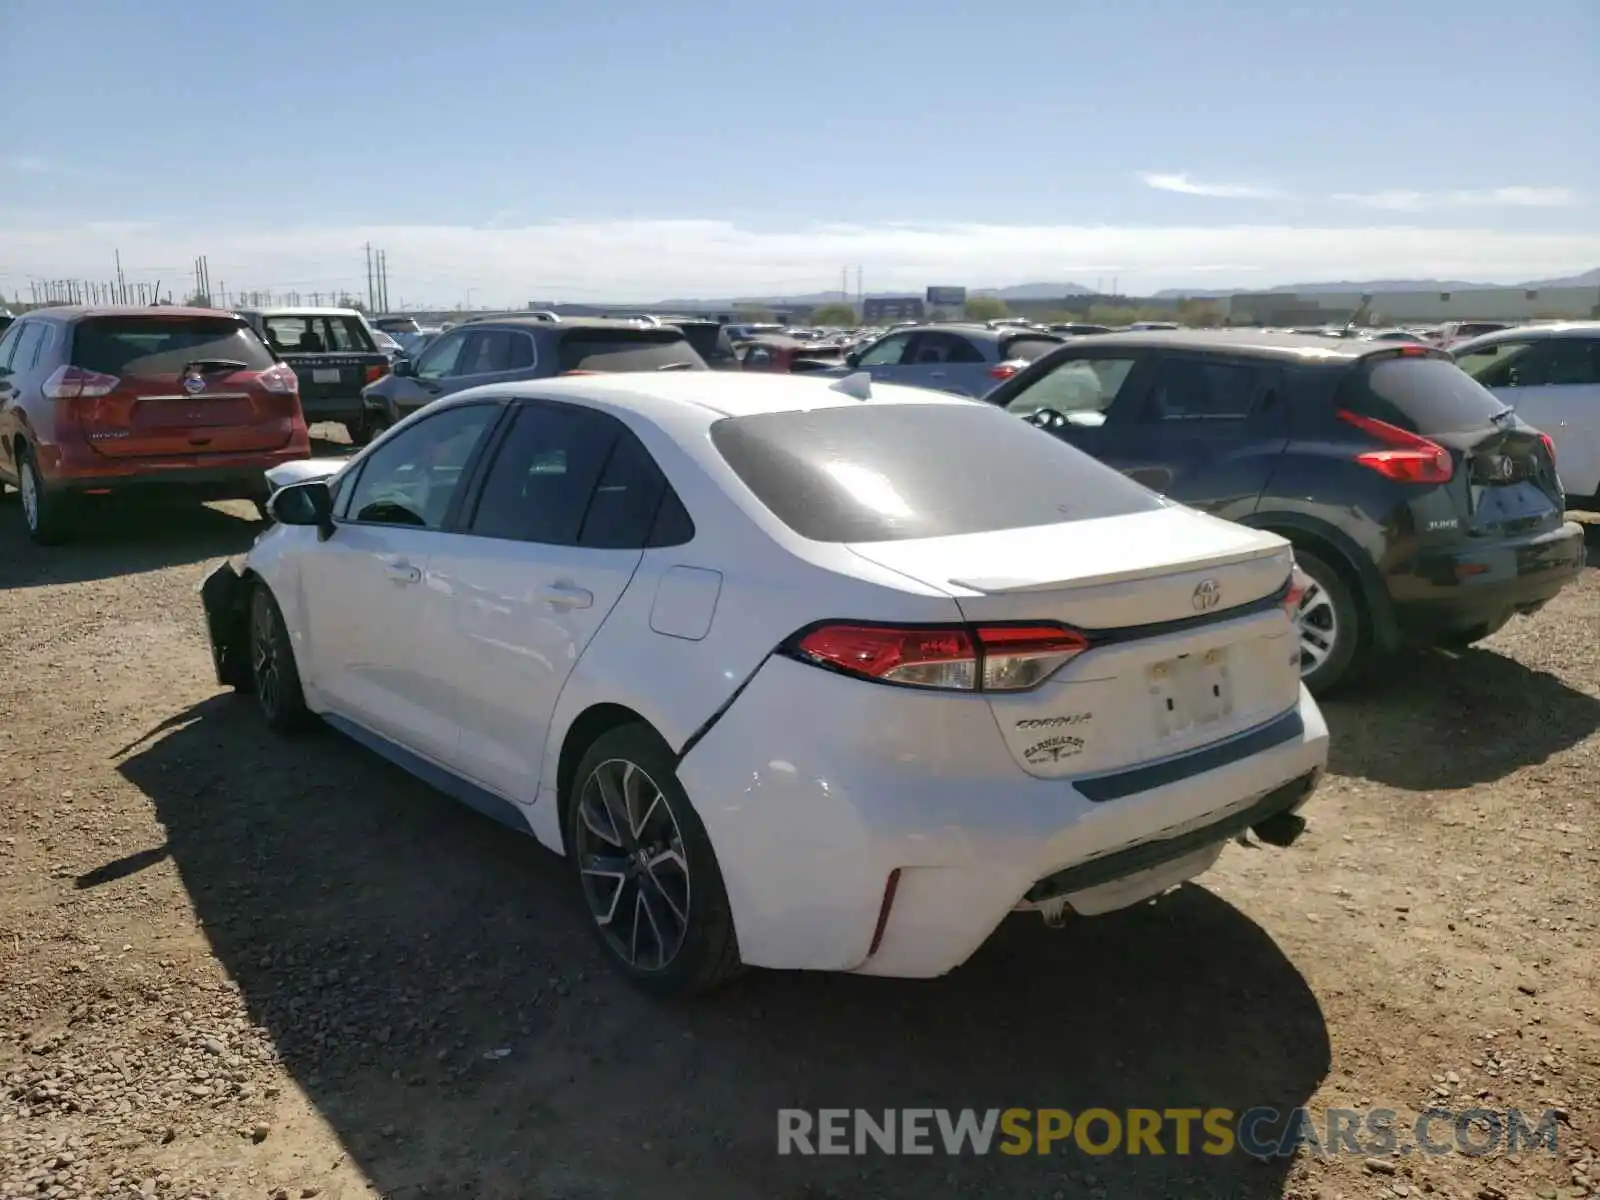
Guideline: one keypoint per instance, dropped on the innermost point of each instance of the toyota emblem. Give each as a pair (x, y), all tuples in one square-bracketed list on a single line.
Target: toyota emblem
[(1207, 595)]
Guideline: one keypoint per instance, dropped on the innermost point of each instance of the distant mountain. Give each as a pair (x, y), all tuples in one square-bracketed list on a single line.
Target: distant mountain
[(1054, 291)]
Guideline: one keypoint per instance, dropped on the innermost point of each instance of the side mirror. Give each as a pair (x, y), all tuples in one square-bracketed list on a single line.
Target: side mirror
[(308, 503), (853, 359), (403, 367)]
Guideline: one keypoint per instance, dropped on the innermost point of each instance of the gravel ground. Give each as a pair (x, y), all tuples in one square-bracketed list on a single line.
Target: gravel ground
[(234, 966)]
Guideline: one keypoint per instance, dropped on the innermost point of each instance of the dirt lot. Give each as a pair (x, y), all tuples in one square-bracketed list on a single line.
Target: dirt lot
[(232, 966)]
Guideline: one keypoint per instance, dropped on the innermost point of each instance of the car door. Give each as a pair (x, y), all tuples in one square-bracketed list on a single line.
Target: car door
[(1554, 384), (946, 362), (10, 401), (1086, 399), (882, 359), (553, 537), (1207, 432), (378, 620)]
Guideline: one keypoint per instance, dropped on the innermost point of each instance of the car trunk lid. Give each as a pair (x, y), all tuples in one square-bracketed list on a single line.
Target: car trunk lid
[(1188, 640)]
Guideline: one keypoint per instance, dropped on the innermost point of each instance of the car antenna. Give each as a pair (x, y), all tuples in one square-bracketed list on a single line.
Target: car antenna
[(1358, 315), (857, 386)]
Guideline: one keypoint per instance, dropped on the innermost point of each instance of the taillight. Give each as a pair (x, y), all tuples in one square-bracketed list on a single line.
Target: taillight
[(375, 373), (1408, 457), (1549, 447), (990, 658), (1298, 582), (75, 383), (279, 379), (1005, 370)]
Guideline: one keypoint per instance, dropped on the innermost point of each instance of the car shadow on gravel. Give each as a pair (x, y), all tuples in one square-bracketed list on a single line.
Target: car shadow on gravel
[(430, 981), (121, 535), (1442, 722)]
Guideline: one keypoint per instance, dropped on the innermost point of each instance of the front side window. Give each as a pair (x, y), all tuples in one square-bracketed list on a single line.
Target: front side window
[(441, 359), (886, 353), (411, 479), (1078, 385)]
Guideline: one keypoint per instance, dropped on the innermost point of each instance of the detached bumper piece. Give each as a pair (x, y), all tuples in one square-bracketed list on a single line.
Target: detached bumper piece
[(225, 596), (1272, 818)]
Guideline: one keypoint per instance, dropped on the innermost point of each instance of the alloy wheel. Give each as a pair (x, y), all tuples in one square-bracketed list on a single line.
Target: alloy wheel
[(264, 664), (631, 859), (1316, 622)]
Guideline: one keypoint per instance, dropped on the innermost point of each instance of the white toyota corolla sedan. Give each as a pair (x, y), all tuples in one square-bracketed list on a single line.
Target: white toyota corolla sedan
[(795, 672)]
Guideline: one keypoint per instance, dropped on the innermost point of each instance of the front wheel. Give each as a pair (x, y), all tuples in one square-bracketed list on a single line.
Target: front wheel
[(646, 868), (1328, 622), (273, 675), (368, 428)]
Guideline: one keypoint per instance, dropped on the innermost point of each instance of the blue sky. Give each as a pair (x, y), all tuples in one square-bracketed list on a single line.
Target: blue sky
[(630, 148)]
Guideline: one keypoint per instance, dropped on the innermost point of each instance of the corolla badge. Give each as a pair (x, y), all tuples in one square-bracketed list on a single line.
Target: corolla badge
[(1207, 595), (194, 383)]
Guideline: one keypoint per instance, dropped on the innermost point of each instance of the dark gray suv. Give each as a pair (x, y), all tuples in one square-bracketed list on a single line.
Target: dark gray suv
[(512, 349)]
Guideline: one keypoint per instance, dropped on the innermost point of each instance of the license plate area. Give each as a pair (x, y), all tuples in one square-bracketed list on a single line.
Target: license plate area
[(1190, 692), (324, 374)]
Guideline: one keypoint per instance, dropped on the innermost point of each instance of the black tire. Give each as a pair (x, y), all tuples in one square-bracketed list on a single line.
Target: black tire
[(45, 516), (274, 677), (1460, 639), (370, 425), (669, 957), (1344, 632)]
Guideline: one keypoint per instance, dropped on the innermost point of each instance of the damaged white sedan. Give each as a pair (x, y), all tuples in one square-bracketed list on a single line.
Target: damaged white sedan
[(794, 673)]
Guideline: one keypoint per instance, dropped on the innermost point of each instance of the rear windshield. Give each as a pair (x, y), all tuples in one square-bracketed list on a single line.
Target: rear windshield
[(710, 341), (1027, 348), (317, 334), (158, 345), (1424, 395), (626, 350), (893, 472)]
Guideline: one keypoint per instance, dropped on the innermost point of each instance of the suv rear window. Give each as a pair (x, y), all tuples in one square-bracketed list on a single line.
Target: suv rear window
[(161, 345), (1425, 395), (626, 350), (710, 341), (893, 472), (317, 334)]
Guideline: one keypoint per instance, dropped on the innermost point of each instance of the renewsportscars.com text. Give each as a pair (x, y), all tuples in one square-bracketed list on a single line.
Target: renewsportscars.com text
[(1260, 1132)]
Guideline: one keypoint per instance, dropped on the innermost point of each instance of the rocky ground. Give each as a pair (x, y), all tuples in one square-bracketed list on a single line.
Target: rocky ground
[(234, 966)]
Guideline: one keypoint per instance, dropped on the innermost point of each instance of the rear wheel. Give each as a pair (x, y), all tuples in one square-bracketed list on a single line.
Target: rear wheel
[(43, 511), (369, 427), (1460, 639), (646, 868), (1328, 622), (273, 675)]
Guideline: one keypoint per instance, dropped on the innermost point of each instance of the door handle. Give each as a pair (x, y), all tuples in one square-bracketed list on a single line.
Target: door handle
[(402, 573), (566, 595), (935, 374)]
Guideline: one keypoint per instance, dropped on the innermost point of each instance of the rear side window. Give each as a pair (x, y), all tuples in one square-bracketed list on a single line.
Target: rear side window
[(160, 345), (490, 351), (891, 472), (569, 476), (1424, 395), (1027, 348), (1546, 362), (626, 350), (27, 347)]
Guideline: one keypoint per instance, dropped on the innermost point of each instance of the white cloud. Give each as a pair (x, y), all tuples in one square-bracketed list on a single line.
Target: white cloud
[(1401, 200), (1183, 185), (648, 260), (26, 164)]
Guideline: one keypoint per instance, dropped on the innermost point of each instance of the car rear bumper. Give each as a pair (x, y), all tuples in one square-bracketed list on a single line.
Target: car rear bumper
[(234, 476), (1470, 586), (811, 818)]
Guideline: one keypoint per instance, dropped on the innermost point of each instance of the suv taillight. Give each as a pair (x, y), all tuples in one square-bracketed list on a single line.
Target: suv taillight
[(964, 658), (75, 383), (1006, 370), (375, 373), (279, 379), (1549, 447), (1407, 457)]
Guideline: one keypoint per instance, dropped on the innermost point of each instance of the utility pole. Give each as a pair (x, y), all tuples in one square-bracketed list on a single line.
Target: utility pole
[(861, 292), (372, 302), (844, 284)]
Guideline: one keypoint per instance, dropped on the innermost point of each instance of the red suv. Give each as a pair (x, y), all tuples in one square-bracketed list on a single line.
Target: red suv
[(96, 400)]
